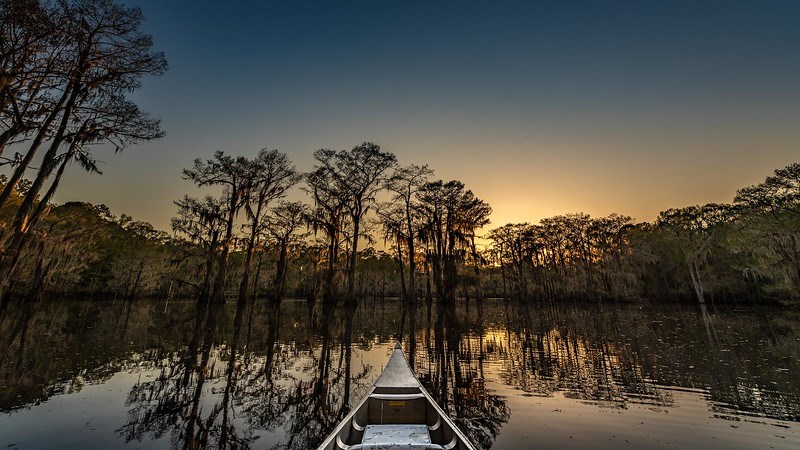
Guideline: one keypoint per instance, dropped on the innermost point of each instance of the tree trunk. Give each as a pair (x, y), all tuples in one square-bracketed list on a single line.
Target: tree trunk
[(22, 220), (351, 270), (251, 242), (696, 283), (243, 285), (503, 277), (428, 295), (412, 264), (45, 201), (257, 278), (40, 275), (280, 272), (477, 272), (17, 243), (403, 291), (328, 297), (450, 270), (205, 287), (138, 279), (218, 296), (34, 147)]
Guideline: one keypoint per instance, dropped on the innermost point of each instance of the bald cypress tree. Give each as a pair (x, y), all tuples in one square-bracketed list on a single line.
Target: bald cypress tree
[(99, 58)]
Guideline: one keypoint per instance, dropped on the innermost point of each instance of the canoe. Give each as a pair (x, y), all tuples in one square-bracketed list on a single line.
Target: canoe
[(398, 414)]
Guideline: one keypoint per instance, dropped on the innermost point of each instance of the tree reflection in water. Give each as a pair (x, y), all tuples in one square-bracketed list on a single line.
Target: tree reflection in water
[(173, 403), (282, 376), (452, 371), (304, 386), (318, 398), (545, 353)]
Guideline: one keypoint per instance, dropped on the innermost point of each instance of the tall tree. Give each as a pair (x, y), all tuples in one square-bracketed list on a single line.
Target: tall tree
[(202, 221), (103, 59), (232, 173), (327, 215), (271, 175), (344, 185), (695, 228), (283, 226), (453, 214), (405, 184), (358, 175)]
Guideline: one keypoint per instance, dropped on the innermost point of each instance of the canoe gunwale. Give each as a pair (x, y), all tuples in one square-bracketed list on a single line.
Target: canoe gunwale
[(446, 419), (345, 422)]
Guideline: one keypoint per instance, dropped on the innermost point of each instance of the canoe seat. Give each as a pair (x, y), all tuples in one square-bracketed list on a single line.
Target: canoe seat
[(396, 437), (394, 447)]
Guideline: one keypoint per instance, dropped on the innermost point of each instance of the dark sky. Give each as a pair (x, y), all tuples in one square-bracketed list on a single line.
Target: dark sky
[(540, 108)]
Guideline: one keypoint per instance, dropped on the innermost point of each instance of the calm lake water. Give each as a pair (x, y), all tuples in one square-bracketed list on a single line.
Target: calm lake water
[(156, 374)]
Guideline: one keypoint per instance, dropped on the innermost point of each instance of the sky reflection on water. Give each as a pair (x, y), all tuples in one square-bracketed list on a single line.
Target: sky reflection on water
[(105, 374)]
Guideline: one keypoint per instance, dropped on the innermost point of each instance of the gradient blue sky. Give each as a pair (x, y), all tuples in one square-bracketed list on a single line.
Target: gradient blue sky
[(540, 108)]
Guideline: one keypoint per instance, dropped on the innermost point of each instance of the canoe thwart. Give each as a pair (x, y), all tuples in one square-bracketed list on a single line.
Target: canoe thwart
[(396, 397)]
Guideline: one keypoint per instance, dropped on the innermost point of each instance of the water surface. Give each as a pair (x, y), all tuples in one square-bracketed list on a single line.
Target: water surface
[(157, 374)]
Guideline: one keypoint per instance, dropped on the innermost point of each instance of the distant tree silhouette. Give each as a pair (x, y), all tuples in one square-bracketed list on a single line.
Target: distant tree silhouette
[(452, 215), (283, 225), (233, 174), (695, 228), (405, 183), (514, 246), (270, 176), (202, 222)]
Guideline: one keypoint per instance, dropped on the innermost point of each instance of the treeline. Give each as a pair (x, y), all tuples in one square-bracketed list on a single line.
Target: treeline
[(744, 250), (747, 249), (67, 69), (267, 247), (83, 249)]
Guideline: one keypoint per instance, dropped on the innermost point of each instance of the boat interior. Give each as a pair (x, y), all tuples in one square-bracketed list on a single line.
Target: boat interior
[(396, 421), (397, 414)]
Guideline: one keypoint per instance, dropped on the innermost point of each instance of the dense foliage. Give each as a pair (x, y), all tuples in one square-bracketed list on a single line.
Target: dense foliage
[(747, 249)]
